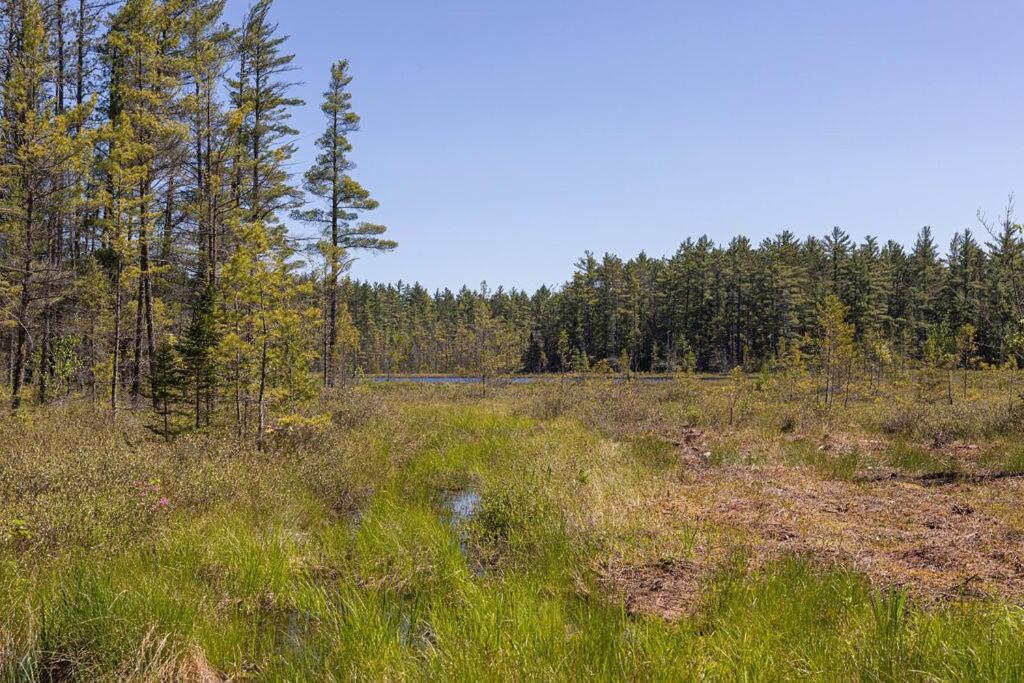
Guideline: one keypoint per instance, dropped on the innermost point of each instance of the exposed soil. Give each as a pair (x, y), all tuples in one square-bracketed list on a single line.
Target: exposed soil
[(934, 541), (940, 536), (671, 589)]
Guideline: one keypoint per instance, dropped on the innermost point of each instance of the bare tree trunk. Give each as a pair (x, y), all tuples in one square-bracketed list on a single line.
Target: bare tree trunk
[(261, 405), (117, 338), (18, 374), (45, 357), (136, 385), (148, 301), (23, 304)]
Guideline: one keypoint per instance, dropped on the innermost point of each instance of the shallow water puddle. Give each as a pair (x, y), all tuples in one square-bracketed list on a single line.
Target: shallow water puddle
[(463, 505)]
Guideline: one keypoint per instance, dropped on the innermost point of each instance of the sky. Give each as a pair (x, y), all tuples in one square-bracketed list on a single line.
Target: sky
[(503, 139)]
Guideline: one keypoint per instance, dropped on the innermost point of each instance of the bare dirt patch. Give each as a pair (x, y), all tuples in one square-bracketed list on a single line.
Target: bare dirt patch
[(692, 445), (937, 542), (940, 535), (669, 588)]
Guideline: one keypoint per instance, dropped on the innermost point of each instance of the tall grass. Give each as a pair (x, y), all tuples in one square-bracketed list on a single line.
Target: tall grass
[(339, 559)]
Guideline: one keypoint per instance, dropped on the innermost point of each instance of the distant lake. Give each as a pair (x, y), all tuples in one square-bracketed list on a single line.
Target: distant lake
[(532, 379)]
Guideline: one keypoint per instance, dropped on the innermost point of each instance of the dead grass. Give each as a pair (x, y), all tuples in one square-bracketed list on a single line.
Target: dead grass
[(670, 588), (935, 542)]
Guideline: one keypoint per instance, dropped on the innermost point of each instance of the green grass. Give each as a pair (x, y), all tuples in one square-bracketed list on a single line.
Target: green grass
[(262, 570), (654, 452), (1005, 459), (829, 464), (915, 459)]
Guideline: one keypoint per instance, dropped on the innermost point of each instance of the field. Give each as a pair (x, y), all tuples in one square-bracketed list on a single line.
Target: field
[(558, 531)]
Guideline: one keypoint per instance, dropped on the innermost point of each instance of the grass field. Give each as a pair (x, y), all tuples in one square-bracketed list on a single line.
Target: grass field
[(540, 532)]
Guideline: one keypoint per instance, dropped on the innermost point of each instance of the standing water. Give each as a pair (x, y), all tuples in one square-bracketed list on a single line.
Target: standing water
[(463, 505)]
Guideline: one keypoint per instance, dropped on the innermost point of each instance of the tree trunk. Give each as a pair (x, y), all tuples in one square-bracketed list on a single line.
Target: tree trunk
[(261, 399), (23, 304), (117, 338)]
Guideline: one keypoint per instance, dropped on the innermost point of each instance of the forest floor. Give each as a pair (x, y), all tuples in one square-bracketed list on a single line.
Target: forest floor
[(626, 531)]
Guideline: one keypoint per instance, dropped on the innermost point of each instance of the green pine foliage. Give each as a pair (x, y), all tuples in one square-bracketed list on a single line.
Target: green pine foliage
[(710, 307), (153, 209)]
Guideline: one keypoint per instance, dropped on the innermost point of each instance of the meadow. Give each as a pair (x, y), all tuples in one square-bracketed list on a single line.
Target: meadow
[(682, 530)]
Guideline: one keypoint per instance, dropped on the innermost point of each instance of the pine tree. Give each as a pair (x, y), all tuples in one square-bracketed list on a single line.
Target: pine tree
[(926, 285), (839, 248), (267, 340), (835, 347), (347, 344), (346, 200), (1005, 286), (198, 355), (146, 67), (965, 282), (262, 184), (213, 134), (868, 293), (270, 327), (41, 150), (784, 286), (564, 352), (166, 387)]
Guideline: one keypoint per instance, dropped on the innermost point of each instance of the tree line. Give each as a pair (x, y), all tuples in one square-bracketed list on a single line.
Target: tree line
[(146, 185), (145, 181), (712, 307)]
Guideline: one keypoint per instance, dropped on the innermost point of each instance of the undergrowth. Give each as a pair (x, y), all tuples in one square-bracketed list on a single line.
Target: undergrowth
[(336, 558)]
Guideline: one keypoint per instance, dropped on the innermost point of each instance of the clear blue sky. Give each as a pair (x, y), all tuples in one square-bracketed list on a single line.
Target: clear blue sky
[(505, 138)]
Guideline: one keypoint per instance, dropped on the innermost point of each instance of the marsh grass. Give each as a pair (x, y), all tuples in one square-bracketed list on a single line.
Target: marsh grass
[(830, 464), (728, 452), (1007, 459), (335, 558), (655, 453), (917, 459)]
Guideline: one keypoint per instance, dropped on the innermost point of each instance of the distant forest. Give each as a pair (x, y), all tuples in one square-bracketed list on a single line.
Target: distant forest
[(146, 184), (712, 307)]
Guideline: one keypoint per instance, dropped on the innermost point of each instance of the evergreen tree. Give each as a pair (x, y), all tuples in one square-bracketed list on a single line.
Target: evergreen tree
[(166, 387), (1005, 287), (926, 286), (346, 199), (145, 67), (41, 150), (262, 184), (197, 350)]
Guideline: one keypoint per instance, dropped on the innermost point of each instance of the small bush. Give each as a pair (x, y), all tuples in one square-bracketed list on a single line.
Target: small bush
[(514, 526)]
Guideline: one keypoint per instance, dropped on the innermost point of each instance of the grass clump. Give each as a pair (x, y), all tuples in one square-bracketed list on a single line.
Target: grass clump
[(916, 459), (1005, 459), (842, 463), (655, 453)]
